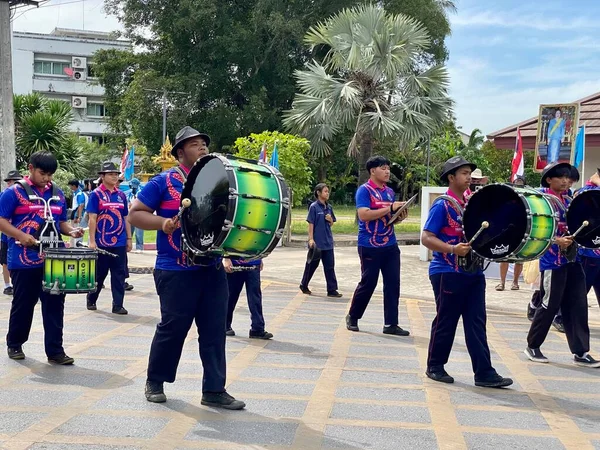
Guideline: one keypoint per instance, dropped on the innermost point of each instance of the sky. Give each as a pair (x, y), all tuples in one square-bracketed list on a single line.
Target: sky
[(506, 57)]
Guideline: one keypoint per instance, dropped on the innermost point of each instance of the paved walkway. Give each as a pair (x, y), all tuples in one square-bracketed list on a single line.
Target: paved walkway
[(314, 386)]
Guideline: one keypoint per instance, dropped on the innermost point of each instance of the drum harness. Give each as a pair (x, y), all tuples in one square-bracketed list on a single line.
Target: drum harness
[(471, 262)]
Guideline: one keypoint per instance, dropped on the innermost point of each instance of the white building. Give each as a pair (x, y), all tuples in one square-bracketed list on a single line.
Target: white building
[(59, 65)]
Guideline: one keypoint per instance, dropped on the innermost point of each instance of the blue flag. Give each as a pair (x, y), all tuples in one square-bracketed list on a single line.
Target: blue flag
[(275, 158), (129, 169), (579, 147)]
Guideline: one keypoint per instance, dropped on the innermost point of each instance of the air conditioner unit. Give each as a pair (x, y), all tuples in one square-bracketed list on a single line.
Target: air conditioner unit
[(78, 62), (79, 102), (79, 74)]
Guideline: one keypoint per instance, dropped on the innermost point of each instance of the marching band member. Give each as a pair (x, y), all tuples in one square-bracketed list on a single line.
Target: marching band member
[(590, 257), (22, 220), (186, 292), (560, 269), (10, 179), (458, 291)]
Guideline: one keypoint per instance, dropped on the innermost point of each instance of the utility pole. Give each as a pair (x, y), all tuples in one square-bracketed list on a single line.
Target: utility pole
[(164, 108), (7, 120)]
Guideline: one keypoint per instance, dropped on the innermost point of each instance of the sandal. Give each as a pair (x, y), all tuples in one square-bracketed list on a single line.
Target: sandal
[(500, 287), (514, 287)]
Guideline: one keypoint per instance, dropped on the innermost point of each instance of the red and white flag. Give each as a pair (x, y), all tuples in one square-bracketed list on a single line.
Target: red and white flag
[(517, 162), (262, 157), (124, 160)]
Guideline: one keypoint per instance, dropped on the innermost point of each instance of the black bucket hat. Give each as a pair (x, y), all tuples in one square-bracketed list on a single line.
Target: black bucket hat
[(13, 175), (187, 133), (551, 169), (313, 253), (108, 167), (454, 163)]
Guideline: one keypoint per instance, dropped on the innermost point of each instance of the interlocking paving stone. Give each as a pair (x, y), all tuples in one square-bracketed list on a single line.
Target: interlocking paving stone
[(578, 403), (102, 365), (360, 411), (129, 340), (250, 433), (49, 446), (378, 438), (36, 397), (17, 421), (112, 426), (501, 419), (579, 387), (307, 348), (571, 371), (98, 350), (397, 350), (484, 397), (466, 367), (596, 445), (283, 374), (275, 408), (89, 378), (380, 377), (307, 359), (136, 401), (389, 364), (476, 441), (387, 394), (255, 387), (588, 424)]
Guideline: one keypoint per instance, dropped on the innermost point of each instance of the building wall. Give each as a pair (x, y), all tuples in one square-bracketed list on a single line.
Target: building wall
[(591, 162), (31, 47)]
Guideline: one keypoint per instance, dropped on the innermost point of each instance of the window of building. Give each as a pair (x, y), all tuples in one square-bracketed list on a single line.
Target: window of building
[(96, 110), (90, 71), (50, 68)]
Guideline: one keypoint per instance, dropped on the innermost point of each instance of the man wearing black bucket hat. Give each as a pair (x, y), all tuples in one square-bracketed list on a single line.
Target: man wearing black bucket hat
[(186, 292), (109, 231), (459, 291), (11, 178), (562, 285)]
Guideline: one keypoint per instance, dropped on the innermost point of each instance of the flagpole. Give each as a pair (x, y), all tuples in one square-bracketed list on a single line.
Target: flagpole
[(583, 178)]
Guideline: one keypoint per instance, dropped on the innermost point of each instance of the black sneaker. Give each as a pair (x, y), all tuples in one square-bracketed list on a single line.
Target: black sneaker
[(8, 290), (154, 392), (395, 329), (535, 355), (558, 325), (91, 306), (229, 332), (351, 324), (221, 400), (15, 353), (61, 360), (439, 375), (119, 310), (585, 361), (530, 312), (128, 287), (260, 335), (494, 382), (334, 294), (305, 290)]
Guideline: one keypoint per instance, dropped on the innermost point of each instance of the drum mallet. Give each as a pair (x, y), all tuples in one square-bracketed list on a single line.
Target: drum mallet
[(584, 224), (185, 203), (484, 225)]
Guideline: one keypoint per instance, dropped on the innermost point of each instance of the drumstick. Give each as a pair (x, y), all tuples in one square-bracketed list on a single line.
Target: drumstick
[(185, 203), (36, 242), (99, 250), (584, 224), (484, 225)]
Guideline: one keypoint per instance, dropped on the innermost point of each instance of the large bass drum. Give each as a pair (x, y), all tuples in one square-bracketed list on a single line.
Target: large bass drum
[(585, 206), (522, 222), (239, 208)]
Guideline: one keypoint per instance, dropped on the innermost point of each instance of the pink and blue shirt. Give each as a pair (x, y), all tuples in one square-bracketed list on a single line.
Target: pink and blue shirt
[(553, 258), (28, 216), (588, 252), (375, 233), (111, 208)]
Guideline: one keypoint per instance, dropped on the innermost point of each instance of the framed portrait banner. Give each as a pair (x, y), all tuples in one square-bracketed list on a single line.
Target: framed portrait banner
[(556, 132)]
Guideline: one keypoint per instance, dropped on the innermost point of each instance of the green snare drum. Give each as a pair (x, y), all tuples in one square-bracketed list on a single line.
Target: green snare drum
[(522, 222), (239, 208), (69, 270)]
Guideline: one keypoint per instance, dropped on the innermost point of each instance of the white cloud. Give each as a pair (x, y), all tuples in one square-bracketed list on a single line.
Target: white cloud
[(512, 19)]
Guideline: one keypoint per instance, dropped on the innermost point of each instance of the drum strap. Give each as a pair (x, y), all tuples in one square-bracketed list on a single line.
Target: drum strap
[(180, 172), (29, 191)]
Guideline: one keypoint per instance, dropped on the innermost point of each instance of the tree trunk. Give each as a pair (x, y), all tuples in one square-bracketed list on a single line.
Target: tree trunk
[(322, 171), (365, 152)]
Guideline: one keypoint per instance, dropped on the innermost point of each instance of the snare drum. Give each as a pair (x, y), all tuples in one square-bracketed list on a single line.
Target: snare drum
[(585, 206), (522, 222), (239, 208), (69, 270)]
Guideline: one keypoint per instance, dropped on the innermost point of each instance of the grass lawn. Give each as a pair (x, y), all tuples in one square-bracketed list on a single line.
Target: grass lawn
[(149, 237)]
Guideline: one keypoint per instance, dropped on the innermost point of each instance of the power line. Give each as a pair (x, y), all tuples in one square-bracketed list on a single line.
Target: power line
[(49, 6)]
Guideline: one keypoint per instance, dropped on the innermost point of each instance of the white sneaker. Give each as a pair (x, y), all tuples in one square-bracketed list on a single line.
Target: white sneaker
[(585, 361)]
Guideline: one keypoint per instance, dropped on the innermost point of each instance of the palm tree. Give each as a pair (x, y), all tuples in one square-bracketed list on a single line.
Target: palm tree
[(43, 124), (476, 139), (369, 82)]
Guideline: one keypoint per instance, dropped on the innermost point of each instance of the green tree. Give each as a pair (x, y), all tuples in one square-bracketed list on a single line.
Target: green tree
[(43, 125), (369, 82), (293, 153)]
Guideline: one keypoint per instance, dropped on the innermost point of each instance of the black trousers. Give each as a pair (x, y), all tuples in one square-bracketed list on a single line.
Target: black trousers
[(118, 271), (372, 261), (236, 281), (457, 295), (185, 296), (591, 268), (27, 291), (328, 259), (562, 288)]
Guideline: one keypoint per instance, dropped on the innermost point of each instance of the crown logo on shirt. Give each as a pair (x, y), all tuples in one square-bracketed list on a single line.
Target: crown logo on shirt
[(499, 250), (207, 239), (596, 241)]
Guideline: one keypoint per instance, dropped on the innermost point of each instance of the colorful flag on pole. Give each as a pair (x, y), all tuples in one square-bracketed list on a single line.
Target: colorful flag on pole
[(579, 147), (275, 157), (517, 162), (124, 160), (262, 157), (129, 167)]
